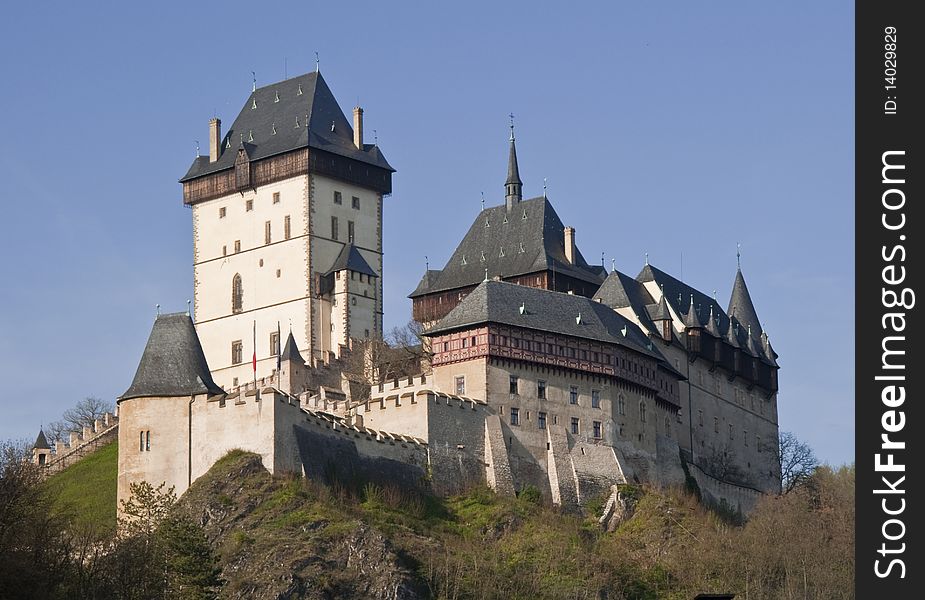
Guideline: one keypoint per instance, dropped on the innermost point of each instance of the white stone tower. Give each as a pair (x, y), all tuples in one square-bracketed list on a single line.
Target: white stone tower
[(287, 230)]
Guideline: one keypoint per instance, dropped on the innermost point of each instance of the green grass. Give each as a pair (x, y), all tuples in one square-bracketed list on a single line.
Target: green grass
[(87, 489)]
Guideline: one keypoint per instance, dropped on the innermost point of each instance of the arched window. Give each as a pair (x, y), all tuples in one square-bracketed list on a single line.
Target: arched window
[(237, 294), (642, 411)]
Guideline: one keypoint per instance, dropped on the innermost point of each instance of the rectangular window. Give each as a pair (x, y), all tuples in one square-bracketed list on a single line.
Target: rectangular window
[(597, 430), (515, 416), (338, 199), (237, 352), (355, 203), (460, 385), (573, 395), (287, 227), (249, 205), (575, 425), (758, 443), (715, 424), (350, 231), (274, 343), (221, 212), (267, 233), (275, 197), (541, 420), (148, 441), (513, 384), (731, 435), (334, 228), (224, 250), (745, 437), (237, 246), (141, 441), (700, 417), (595, 398)]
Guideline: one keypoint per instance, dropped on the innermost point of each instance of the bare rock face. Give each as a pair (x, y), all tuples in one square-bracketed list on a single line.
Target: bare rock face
[(275, 542), (620, 507)]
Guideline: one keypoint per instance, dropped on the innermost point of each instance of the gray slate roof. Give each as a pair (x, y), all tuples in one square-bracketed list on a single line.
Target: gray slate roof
[(350, 258), (622, 291), (172, 363), (741, 307), (281, 107), (41, 442), (545, 310), (427, 281), (291, 351), (513, 170), (531, 236)]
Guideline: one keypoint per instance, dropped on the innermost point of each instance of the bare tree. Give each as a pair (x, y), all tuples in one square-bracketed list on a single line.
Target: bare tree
[(56, 431), (796, 460), (85, 413)]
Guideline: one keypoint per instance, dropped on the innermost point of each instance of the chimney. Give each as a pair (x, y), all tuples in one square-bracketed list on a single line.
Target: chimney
[(358, 127), (215, 139), (570, 245)]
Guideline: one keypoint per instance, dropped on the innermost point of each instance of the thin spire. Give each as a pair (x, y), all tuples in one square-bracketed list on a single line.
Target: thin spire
[(317, 63), (483, 200), (739, 256), (513, 186), (254, 81)]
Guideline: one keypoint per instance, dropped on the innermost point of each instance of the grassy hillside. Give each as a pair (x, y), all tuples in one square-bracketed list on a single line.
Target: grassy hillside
[(87, 489), (288, 537)]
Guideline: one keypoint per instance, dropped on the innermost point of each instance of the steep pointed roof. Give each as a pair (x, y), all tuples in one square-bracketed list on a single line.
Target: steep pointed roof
[(622, 291), (287, 115), (351, 259), (740, 304), (692, 319), (732, 335), (291, 351), (661, 312), (527, 239), (769, 354), (513, 170), (711, 327), (172, 363), (41, 443), (674, 289)]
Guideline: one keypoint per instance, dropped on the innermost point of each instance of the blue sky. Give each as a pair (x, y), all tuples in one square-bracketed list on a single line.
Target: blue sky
[(673, 128)]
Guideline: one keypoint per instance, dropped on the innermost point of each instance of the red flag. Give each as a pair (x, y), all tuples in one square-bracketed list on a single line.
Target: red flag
[(255, 349)]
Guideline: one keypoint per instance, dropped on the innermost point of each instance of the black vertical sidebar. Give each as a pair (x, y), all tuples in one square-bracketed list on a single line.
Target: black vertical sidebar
[(889, 355)]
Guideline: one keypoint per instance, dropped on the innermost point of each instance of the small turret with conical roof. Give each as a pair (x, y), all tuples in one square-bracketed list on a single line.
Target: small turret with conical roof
[(692, 327), (41, 450), (292, 369), (662, 317)]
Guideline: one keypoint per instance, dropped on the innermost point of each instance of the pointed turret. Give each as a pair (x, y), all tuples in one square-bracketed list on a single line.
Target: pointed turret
[(732, 335), (172, 363), (769, 353), (740, 304), (291, 351), (292, 371), (692, 319), (513, 186), (712, 328), (662, 318), (41, 451)]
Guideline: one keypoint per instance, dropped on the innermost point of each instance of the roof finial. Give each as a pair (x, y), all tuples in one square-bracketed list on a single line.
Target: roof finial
[(714, 295), (544, 187), (426, 263), (317, 63), (254, 81), (197, 148), (486, 275), (187, 307), (613, 264), (512, 126), (602, 260), (739, 255), (375, 138), (647, 260), (157, 310), (483, 200)]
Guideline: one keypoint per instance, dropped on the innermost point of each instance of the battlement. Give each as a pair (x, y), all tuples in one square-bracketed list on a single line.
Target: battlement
[(80, 444)]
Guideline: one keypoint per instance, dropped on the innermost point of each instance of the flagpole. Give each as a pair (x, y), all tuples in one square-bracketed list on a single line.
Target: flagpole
[(254, 361)]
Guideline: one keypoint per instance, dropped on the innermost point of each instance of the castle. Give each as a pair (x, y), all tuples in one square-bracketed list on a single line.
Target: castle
[(537, 368)]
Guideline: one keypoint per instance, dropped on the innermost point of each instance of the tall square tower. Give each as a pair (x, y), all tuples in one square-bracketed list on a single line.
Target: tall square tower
[(287, 230)]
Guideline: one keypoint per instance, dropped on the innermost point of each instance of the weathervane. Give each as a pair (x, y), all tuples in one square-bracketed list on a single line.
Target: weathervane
[(739, 255), (512, 126)]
